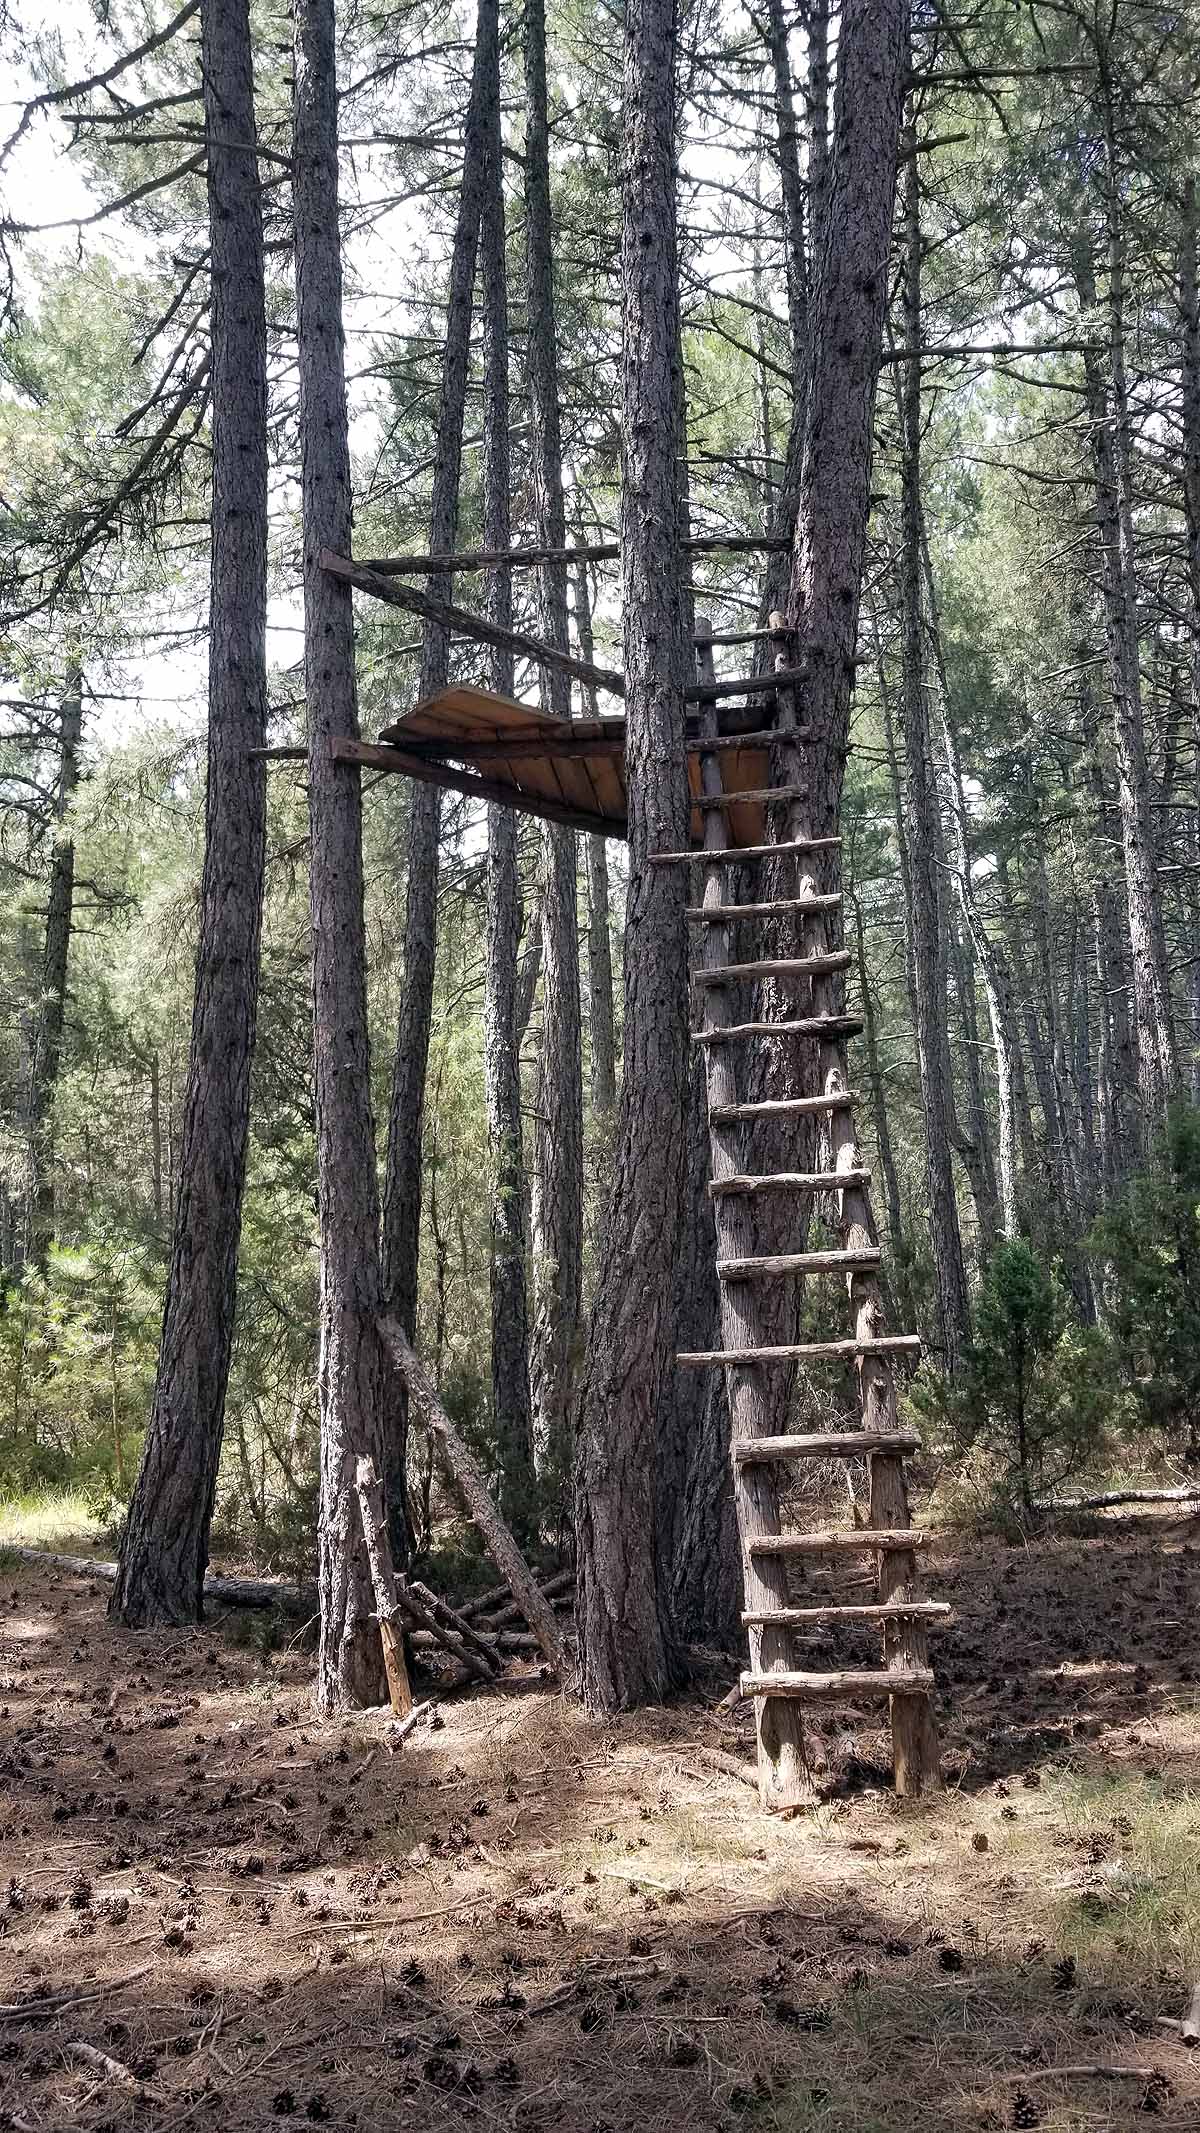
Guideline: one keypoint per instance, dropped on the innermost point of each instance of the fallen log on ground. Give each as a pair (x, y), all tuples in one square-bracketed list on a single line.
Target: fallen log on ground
[(465, 1471), (516, 1641), (1112, 1499), (224, 1592)]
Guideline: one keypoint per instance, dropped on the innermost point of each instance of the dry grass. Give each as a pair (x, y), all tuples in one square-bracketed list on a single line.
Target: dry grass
[(54, 1518)]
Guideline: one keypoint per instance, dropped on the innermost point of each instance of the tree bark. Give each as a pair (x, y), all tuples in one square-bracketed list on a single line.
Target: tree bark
[(165, 1547), (352, 1386), (48, 1036), (406, 1111), (1189, 380), (512, 1411), (619, 1608), (558, 1160)]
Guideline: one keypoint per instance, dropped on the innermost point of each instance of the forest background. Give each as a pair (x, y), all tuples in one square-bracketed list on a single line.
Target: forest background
[(1021, 811)]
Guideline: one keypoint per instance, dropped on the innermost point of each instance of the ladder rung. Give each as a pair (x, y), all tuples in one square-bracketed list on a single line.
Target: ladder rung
[(717, 914), (793, 966), (856, 1262), (765, 737), (786, 1106), (710, 692), (826, 1444), (851, 1540), (909, 1681), (791, 1181), (755, 798), (809, 1351), (886, 1611), (736, 852), (832, 1027)]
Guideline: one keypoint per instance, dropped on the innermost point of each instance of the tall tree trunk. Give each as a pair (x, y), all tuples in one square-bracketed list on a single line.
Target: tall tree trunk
[(803, 237), (512, 1410), (406, 1110), (52, 1006), (989, 961), (160, 1575), (791, 184), (926, 918), (1107, 405), (881, 1125), (847, 335), (1189, 380), (619, 1607), (558, 1163), (352, 1371), (698, 1524)]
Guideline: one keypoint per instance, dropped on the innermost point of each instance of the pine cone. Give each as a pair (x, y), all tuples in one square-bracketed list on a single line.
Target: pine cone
[(1063, 1974), (1156, 2095), (1025, 2112)]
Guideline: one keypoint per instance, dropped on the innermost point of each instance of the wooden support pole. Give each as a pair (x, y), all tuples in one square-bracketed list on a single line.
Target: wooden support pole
[(519, 642), (471, 559), (382, 755), (369, 1490), (464, 1470)]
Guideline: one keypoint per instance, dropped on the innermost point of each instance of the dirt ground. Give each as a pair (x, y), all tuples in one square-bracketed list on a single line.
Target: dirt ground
[(529, 1921)]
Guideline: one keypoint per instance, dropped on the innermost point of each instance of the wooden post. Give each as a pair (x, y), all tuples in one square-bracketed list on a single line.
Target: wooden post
[(369, 1490), (465, 1471)]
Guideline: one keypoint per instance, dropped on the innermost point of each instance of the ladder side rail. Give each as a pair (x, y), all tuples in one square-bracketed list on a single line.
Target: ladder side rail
[(916, 1762)]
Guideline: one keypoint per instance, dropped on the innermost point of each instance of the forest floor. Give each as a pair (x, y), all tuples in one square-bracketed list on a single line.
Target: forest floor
[(529, 1921)]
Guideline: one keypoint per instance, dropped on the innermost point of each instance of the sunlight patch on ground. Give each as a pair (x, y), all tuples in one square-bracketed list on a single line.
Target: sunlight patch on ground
[(60, 1519)]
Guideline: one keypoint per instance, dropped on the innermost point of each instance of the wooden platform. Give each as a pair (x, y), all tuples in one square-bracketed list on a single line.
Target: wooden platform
[(574, 772)]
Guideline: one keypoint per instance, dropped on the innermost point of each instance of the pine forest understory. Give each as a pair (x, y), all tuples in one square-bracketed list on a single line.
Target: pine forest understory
[(600, 1280)]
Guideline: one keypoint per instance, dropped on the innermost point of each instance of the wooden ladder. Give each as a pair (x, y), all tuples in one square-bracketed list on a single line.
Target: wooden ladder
[(900, 1608)]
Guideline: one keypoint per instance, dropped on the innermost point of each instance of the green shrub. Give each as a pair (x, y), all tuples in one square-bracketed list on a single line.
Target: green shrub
[(1037, 1395)]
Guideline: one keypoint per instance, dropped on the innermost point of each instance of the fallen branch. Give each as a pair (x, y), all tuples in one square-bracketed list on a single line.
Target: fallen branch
[(560, 1591), (36, 2007), (398, 1733), (499, 1596), (450, 1619), (110, 2069), (1085, 2073), (465, 1471), (1189, 2027), (416, 1610)]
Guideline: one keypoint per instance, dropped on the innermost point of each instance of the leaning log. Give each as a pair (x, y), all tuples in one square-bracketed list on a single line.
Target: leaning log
[(369, 1490), (467, 1474), (499, 1596)]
